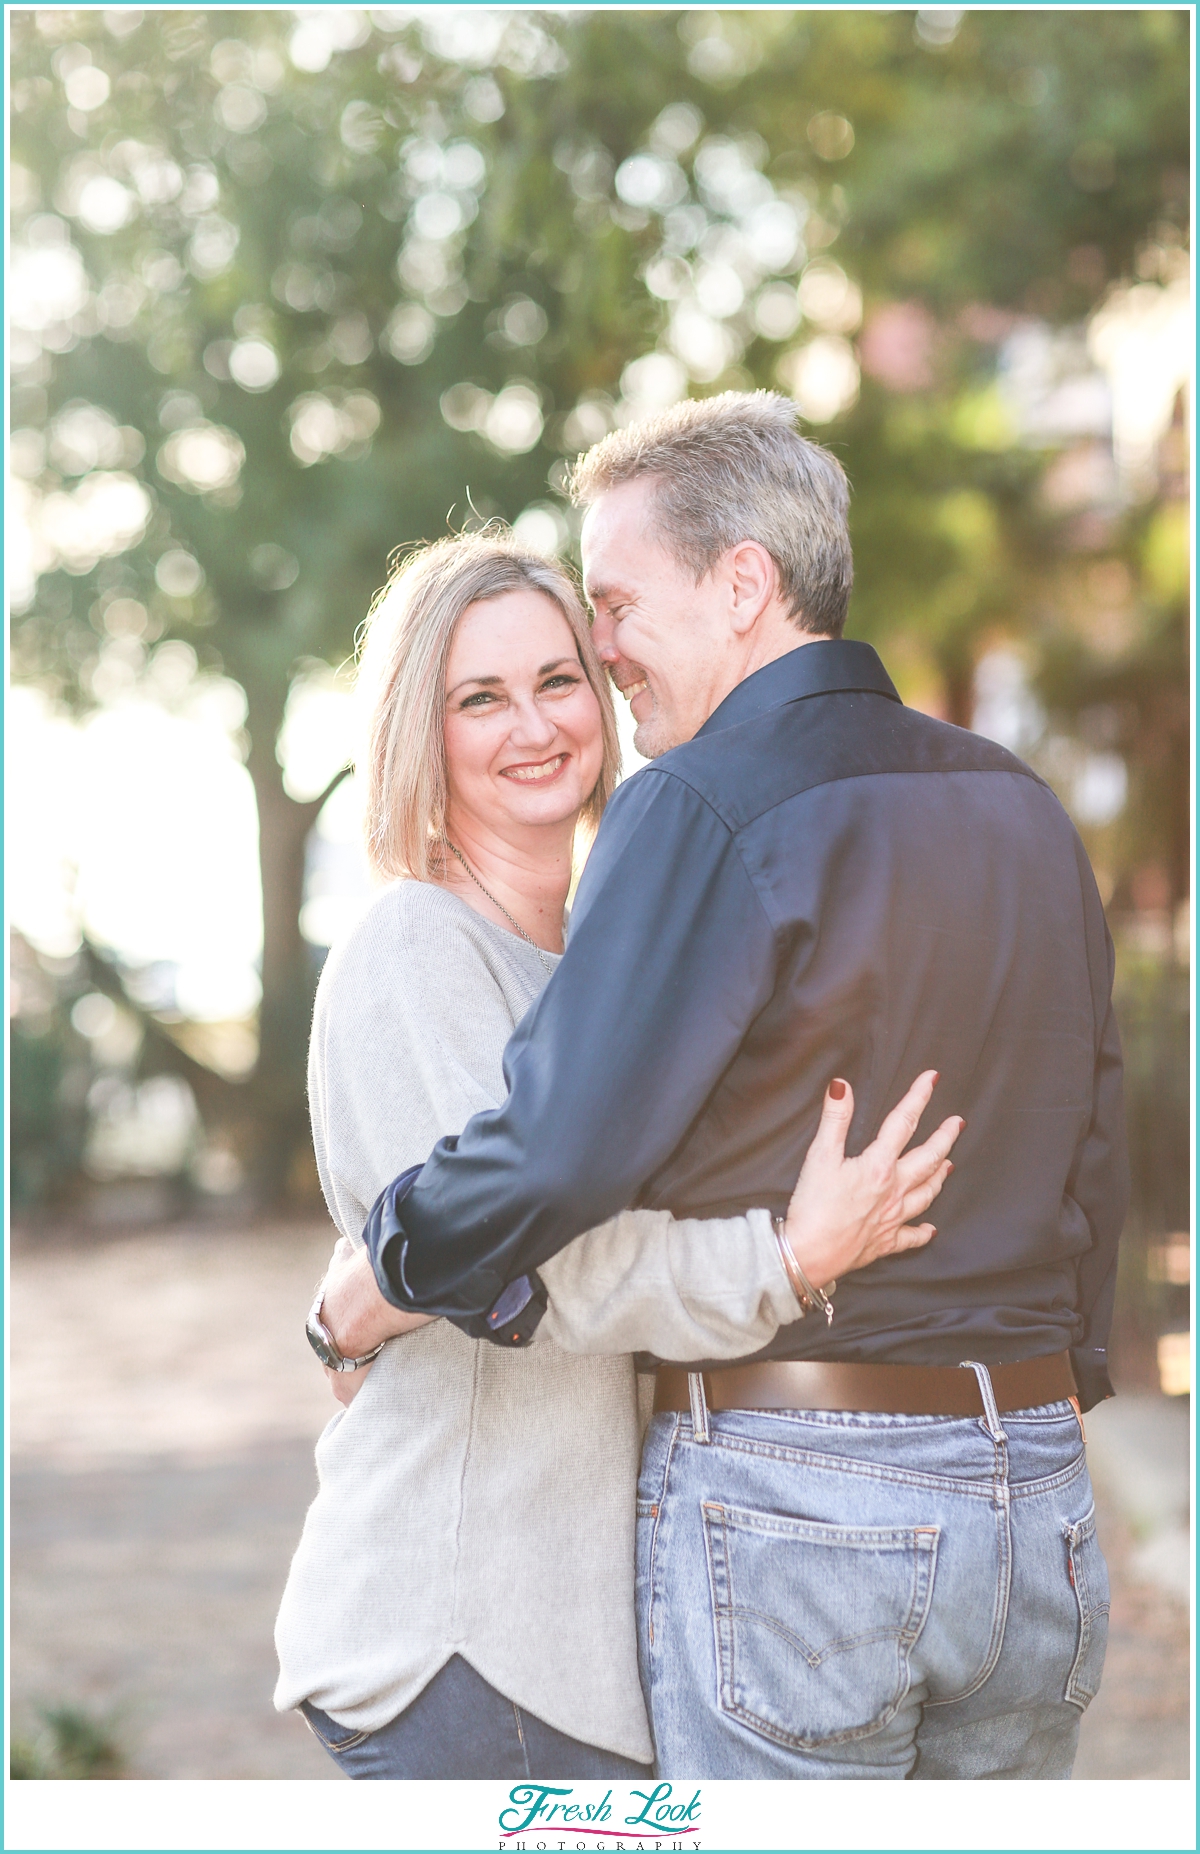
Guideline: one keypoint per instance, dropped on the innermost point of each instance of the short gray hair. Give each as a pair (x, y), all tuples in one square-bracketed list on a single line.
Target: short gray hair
[(734, 468)]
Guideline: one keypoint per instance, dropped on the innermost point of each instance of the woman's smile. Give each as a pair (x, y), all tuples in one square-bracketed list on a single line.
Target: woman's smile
[(536, 772), (520, 713)]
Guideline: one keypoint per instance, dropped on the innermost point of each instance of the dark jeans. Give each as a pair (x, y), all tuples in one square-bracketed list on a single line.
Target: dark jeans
[(458, 1727)]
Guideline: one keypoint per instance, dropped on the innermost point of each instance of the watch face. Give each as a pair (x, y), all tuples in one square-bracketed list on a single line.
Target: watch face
[(322, 1345)]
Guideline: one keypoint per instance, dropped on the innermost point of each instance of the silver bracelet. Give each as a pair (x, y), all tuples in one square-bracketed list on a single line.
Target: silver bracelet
[(810, 1297)]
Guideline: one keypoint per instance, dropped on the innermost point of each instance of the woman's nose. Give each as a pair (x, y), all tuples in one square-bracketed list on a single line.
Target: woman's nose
[(531, 726)]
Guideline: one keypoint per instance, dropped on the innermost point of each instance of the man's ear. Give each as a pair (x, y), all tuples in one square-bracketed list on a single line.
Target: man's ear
[(752, 580)]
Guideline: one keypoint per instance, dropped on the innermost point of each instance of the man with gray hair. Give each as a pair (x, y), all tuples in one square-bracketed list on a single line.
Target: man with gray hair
[(868, 1551)]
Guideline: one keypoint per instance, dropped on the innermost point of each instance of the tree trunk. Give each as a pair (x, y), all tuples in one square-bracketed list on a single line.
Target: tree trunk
[(958, 685), (277, 1094), (266, 1114)]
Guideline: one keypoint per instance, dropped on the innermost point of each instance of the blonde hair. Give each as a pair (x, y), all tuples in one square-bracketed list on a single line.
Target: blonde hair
[(734, 468), (403, 652)]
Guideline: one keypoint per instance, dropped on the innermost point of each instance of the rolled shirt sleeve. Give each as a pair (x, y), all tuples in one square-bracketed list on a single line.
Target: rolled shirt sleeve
[(671, 957)]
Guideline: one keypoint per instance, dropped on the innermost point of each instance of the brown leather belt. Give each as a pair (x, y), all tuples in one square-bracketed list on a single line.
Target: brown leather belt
[(906, 1390)]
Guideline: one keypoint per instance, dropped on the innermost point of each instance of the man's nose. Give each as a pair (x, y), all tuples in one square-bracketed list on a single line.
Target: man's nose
[(603, 631)]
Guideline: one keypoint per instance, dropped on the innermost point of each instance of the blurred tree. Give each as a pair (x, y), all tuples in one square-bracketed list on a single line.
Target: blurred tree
[(51, 1071), (293, 290)]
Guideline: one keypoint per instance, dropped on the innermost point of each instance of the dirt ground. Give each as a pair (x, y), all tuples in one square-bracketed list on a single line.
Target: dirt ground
[(164, 1406)]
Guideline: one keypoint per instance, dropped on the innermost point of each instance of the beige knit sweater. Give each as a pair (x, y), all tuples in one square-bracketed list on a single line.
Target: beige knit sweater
[(474, 1500)]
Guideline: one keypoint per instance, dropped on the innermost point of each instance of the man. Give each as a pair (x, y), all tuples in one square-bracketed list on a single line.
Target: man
[(856, 1560)]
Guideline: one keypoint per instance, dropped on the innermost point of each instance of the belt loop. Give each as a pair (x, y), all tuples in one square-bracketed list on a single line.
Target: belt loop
[(991, 1413), (699, 1402)]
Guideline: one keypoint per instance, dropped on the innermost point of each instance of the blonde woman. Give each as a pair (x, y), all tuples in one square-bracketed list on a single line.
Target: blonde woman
[(461, 1601)]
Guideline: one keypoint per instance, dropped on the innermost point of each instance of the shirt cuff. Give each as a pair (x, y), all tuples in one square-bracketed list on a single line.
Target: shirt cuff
[(386, 1243), (1091, 1376)]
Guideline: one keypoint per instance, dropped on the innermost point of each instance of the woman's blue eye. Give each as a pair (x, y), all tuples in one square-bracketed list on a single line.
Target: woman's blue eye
[(560, 682)]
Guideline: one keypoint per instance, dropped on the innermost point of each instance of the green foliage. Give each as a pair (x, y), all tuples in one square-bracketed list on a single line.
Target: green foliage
[(74, 1747), (1020, 166), (1153, 1012), (319, 272), (1152, 1006), (48, 1125), (50, 1069)]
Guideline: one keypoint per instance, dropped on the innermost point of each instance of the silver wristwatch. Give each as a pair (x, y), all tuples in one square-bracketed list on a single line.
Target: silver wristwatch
[(321, 1340)]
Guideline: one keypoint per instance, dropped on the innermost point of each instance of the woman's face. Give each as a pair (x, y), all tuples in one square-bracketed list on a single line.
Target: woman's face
[(523, 740)]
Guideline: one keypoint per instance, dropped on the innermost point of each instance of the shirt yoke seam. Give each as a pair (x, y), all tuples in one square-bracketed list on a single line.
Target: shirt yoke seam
[(736, 832), (896, 772), (727, 827)]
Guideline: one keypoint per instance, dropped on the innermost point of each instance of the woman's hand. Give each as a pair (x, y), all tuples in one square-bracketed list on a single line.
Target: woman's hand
[(357, 1315), (845, 1212)]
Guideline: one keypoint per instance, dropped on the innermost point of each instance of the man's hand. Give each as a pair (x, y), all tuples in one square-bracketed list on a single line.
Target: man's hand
[(355, 1311), (845, 1212), (346, 1385)]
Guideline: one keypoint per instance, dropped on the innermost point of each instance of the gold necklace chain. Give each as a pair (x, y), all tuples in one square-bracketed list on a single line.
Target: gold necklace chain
[(545, 957)]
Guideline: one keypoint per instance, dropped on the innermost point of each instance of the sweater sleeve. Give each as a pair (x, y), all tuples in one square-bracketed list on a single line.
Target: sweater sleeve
[(679, 1288), (409, 1029)]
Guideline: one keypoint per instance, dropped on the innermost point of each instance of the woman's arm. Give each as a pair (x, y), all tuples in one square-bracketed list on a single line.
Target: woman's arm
[(718, 1288), (686, 1287), (408, 1038)]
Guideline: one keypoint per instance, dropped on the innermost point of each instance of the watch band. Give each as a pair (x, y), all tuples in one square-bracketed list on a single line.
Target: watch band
[(323, 1344)]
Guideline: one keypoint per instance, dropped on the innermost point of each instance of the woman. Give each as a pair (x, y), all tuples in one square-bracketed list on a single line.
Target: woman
[(461, 1602)]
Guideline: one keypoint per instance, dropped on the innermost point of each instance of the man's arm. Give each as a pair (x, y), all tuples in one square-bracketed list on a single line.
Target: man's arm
[(671, 957), (1100, 1180)]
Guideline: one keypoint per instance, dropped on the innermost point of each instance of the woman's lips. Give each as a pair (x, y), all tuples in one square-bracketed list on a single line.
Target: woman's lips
[(538, 774)]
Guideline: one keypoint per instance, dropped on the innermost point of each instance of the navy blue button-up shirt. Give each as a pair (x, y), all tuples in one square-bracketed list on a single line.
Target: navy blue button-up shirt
[(823, 882)]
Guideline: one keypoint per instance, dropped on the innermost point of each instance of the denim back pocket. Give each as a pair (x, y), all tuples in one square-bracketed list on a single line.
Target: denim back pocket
[(1089, 1579), (815, 1623)]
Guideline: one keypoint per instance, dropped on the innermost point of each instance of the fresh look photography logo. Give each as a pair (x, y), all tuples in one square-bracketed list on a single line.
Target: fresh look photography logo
[(558, 1816)]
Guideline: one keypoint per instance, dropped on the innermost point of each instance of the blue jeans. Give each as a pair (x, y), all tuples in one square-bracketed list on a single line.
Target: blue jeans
[(839, 1594), (459, 1726)]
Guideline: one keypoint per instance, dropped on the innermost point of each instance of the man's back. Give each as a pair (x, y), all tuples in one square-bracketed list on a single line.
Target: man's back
[(931, 907)]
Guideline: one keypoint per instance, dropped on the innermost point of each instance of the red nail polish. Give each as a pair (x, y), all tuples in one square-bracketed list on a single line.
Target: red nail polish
[(837, 1090), (937, 1076)]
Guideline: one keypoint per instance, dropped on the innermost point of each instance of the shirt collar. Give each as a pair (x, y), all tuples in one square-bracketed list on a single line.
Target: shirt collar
[(820, 668)]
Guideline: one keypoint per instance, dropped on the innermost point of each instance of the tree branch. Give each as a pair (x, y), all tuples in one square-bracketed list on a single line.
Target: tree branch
[(211, 1089), (315, 806)]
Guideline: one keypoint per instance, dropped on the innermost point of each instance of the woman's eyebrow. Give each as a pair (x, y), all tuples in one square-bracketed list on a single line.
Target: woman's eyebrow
[(495, 682), (486, 682)]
